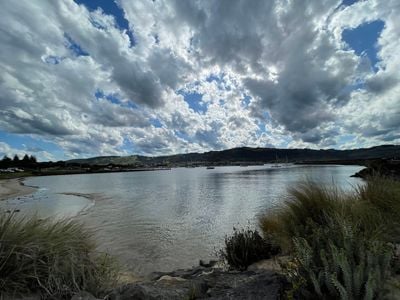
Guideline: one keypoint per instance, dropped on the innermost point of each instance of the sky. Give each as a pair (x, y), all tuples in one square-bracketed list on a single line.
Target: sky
[(156, 77)]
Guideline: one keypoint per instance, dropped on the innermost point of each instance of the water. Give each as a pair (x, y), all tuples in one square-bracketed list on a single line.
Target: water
[(164, 220)]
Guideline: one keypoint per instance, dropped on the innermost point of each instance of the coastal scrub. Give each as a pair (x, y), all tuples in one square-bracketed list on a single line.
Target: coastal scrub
[(341, 245), (52, 258), (246, 246)]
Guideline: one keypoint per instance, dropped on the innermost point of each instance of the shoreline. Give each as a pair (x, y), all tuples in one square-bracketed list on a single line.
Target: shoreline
[(11, 188)]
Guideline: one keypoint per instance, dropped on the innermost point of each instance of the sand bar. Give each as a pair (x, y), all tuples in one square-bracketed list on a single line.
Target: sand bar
[(11, 188)]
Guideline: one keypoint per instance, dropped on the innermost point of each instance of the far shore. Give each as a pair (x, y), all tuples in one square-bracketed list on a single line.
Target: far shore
[(11, 188)]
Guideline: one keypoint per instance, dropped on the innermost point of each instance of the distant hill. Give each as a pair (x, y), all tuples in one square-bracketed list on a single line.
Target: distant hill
[(247, 155)]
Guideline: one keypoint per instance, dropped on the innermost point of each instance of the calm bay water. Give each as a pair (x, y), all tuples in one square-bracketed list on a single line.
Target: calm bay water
[(164, 220)]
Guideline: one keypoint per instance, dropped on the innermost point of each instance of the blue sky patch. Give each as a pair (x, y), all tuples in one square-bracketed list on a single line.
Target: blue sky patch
[(363, 39), (26, 143), (74, 47), (194, 101), (110, 97), (246, 101), (156, 122), (183, 135), (348, 2), (129, 146), (212, 78), (219, 79), (114, 98), (53, 60), (110, 7)]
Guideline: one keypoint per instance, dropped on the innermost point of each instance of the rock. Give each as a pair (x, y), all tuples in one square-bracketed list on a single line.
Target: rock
[(25, 297), (382, 167), (247, 285), (151, 291), (170, 278), (156, 275), (183, 273), (272, 264), (210, 264), (128, 277), (364, 173), (83, 296), (265, 264), (202, 282)]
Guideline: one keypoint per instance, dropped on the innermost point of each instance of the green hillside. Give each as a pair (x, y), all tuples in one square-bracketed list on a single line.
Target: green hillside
[(248, 155)]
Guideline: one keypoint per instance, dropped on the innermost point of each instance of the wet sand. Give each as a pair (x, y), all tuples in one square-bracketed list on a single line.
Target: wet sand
[(11, 188)]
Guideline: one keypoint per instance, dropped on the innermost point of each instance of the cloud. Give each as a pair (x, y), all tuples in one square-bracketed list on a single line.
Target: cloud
[(270, 73)]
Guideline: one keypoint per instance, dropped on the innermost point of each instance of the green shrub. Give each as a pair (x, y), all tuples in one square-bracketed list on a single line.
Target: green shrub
[(53, 258), (380, 198), (338, 262), (245, 247), (307, 202), (341, 244)]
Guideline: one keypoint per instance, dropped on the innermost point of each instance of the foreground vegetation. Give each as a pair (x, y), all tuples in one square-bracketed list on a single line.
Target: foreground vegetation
[(54, 259), (337, 245), (246, 246)]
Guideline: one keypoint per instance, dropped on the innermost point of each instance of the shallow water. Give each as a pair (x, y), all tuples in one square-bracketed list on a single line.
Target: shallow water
[(164, 220)]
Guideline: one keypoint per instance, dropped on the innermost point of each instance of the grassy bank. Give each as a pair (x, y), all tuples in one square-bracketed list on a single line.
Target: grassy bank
[(15, 175), (338, 245), (54, 259), (341, 245)]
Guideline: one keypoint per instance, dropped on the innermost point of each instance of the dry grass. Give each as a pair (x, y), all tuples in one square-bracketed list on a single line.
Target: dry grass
[(52, 258), (307, 202)]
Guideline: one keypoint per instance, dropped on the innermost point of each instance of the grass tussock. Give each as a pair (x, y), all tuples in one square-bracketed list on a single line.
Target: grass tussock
[(246, 246), (341, 245), (53, 258), (307, 203)]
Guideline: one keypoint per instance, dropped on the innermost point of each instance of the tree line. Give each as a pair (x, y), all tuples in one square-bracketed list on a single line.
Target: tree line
[(28, 161)]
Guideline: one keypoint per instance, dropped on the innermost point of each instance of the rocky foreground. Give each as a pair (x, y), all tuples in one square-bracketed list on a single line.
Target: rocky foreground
[(260, 281), (389, 168)]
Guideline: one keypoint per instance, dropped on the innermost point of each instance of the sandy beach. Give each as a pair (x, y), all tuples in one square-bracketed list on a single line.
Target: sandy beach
[(10, 188)]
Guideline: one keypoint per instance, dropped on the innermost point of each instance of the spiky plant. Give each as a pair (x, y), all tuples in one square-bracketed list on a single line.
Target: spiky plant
[(338, 261), (341, 244)]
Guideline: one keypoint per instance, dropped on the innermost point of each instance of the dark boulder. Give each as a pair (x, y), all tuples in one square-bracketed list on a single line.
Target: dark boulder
[(204, 283)]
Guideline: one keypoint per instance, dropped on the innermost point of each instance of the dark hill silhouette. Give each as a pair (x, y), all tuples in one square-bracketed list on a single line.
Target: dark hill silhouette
[(250, 155)]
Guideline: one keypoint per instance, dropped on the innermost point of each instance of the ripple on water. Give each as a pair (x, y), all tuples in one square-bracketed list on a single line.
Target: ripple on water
[(164, 220), (46, 205)]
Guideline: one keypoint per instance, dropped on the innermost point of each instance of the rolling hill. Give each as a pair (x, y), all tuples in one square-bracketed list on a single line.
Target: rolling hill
[(248, 155)]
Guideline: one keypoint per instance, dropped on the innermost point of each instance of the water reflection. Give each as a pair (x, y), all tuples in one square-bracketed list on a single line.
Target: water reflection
[(170, 219)]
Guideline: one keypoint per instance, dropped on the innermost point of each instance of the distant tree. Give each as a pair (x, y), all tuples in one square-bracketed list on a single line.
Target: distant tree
[(33, 159), (5, 162), (26, 161), (16, 159), (6, 159)]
